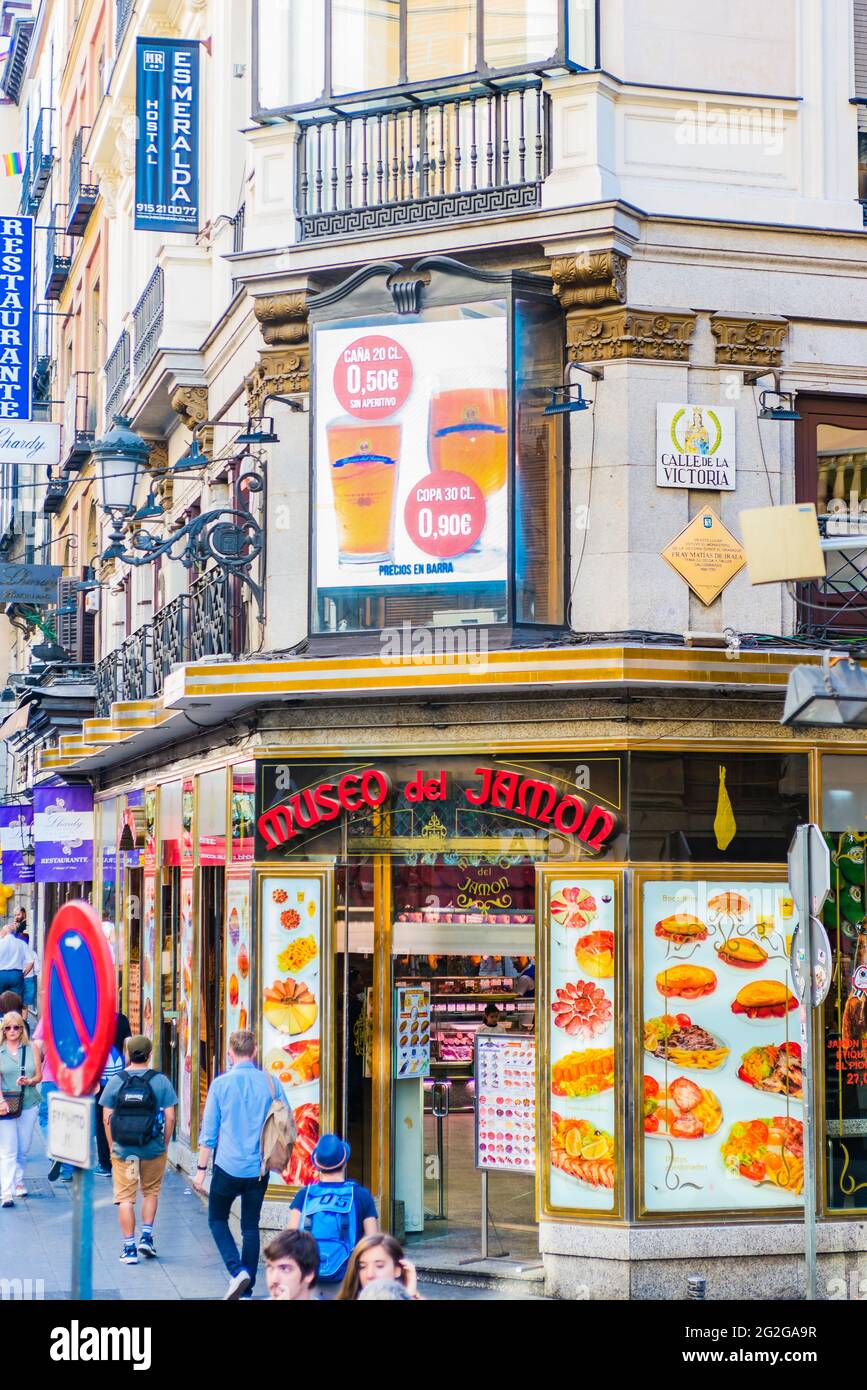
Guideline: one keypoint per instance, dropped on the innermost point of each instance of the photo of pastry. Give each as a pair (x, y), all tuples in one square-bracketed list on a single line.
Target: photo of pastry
[(595, 954), (742, 952)]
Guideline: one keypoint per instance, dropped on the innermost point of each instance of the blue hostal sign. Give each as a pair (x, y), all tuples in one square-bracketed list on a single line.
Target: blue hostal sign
[(16, 316), (167, 149)]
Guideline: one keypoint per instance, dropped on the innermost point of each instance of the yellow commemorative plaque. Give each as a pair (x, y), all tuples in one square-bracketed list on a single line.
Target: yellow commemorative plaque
[(706, 555)]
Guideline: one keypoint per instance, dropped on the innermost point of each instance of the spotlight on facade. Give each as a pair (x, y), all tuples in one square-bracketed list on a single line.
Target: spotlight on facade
[(150, 509), (566, 399), (194, 458), (48, 652), (833, 694), (263, 434), (785, 410)]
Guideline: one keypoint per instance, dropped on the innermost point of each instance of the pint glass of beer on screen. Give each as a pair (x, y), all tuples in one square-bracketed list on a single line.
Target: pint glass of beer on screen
[(363, 460), (468, 426)]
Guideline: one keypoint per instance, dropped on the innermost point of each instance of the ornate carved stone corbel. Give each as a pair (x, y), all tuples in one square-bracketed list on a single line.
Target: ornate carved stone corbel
[(589, 278), (620, 332), (748, 342), (158, 467), (191, 404), (284, 365)]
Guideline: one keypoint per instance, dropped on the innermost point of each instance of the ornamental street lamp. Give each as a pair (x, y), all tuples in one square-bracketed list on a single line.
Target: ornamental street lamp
[(229, 537)]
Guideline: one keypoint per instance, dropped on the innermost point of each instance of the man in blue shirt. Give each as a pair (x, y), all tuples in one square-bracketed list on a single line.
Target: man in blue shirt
[(235, 1112)]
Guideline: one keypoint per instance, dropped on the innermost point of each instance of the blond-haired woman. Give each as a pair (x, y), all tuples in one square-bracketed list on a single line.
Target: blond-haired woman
[(20, 1075)]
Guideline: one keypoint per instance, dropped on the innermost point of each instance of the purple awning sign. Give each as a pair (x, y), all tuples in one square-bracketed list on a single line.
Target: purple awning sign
[(63, 822), (16, 835)]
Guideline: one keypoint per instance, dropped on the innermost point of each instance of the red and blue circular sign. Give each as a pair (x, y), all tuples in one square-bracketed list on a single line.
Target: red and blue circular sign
[(78, 998)]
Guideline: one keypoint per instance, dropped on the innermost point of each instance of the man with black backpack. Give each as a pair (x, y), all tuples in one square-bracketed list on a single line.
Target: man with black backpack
[(139, 1115)]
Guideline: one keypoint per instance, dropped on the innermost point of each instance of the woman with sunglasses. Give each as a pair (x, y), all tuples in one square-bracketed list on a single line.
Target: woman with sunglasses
[(20, 1075)]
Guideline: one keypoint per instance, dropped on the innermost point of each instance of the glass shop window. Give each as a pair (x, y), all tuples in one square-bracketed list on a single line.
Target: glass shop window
[(844, 1013), (701, 807)]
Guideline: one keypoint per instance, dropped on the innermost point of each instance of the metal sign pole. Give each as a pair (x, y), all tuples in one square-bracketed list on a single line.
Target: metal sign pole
[(484, 1213), (82, 1235), (806, 1013)]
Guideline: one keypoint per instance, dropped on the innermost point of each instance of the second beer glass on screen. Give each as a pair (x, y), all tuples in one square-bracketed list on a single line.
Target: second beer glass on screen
[(364, 458)]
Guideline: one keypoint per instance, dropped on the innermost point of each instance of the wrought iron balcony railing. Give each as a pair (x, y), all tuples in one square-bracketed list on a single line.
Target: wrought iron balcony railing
[(55, 496), (202, 623), (123, 10), (147, 319), (836, 605), (58, 260), (40, 159), (79, 421), (82, 192), (439, 159), (117, 377)]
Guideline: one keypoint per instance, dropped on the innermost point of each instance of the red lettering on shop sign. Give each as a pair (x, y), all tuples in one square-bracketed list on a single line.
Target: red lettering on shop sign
[(322, 803), (421, 788), (541, 801)]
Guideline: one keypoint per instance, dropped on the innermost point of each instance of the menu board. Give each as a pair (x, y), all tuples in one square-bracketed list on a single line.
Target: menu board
[(505, 1075), (582, 952), (185, 1022), (134, 996), (292, 940), (148, 961), (722, 1093), (238, 954), (411, 1031)]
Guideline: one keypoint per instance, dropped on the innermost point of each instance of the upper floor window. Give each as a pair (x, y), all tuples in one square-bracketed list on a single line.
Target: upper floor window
[(308, 52)]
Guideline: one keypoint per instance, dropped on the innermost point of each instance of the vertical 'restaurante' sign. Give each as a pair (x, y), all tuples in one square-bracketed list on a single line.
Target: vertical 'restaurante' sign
[(16, 316), (167, 150)]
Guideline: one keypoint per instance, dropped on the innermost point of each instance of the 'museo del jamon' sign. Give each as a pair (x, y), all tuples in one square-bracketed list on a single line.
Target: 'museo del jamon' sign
[(527, 798)]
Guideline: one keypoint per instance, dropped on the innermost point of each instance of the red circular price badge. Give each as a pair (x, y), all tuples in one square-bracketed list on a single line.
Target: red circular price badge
[(373, 377), (445, 514)]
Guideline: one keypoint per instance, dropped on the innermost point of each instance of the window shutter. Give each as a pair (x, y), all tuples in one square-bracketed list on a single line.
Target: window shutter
[(68, 626), (859, 21)]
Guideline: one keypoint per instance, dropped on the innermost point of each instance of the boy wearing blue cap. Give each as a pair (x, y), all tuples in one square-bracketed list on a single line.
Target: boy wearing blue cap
[(336, 1211)]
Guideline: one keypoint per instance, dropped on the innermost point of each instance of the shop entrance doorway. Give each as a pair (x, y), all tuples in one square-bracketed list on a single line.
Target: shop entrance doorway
[(463, 942), (211, 1002), (170, 916)]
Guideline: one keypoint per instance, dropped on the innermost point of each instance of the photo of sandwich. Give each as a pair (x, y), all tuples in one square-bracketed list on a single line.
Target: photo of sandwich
[(730, 904), (686, 981), (743, 953), (763, 999), (681, 928)]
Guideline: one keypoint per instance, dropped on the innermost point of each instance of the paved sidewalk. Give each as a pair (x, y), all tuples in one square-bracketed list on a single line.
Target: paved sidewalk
[(36, 1244)]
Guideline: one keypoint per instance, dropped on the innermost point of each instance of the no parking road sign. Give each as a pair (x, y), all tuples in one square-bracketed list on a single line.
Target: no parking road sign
[(78, 998)]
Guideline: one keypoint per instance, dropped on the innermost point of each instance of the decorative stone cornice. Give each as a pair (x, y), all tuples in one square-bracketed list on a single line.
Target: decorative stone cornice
[(191, 404), (748, 342), (654, 334), (589, 278), (284, 366)]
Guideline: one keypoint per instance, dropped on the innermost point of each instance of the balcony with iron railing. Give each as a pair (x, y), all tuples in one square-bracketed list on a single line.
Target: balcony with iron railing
[(83, 193), (55, 496), (123, 11), (79, 421), (58, 258), (117, 377), (148, 322), (40, 158), (205, 622), (435, 159)]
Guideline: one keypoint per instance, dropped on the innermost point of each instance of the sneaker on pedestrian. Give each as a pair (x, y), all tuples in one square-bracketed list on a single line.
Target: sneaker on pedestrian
[(237, 1284), (103, 1172), (8, 1203), (55, 1170), (129, 1254), (66, 1177), (21, 1190), (146, 1246)]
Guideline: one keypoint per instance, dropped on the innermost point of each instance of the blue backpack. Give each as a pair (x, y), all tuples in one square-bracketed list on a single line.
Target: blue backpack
[(329, 1216)]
